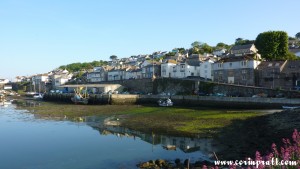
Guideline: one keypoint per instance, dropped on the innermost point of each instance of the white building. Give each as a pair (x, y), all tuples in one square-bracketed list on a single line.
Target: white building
[(167, 68), (206, 68), (99, 74), (115, 74), (219, 52)]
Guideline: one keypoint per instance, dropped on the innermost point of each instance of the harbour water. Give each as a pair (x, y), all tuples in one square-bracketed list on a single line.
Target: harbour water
[(28, 142)]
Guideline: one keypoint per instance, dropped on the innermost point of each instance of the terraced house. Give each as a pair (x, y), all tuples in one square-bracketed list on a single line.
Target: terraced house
[(238, 67), (279, 74)]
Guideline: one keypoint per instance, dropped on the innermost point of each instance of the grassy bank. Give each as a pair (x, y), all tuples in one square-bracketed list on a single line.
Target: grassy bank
[(163, 120)]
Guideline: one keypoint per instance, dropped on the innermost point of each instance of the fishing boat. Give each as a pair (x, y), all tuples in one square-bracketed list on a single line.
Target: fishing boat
[(291, 107), (165, 102), (80, 99)]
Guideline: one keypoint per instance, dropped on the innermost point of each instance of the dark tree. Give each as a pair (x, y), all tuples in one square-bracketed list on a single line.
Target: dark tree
[(297, 35), (113, 57), (272, 45)]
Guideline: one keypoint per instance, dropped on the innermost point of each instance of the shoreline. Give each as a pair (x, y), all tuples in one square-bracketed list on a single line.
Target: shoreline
[(239, 133)]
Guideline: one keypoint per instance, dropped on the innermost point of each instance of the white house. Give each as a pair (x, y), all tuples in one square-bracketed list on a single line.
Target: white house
[(206, 68), (236, 69), (115, 74), (167, 68), (99, 74), (219, 52), (4, 81), (60, 77), (39, 82)]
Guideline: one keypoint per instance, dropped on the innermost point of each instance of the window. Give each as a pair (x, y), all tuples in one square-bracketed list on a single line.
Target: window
[(244, 63), (244, 71), (243, 77), (220, 65), (230, 64), (205, 66)]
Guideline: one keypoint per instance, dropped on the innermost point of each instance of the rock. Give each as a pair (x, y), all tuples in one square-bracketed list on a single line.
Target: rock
[(160, 162), (144, 165), (177, 161)]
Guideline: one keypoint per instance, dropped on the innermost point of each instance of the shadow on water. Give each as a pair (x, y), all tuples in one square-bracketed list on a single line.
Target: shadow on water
[(242, 138)]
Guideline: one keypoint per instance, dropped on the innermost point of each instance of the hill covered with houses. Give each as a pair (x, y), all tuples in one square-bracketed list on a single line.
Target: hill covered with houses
[(240, 63)]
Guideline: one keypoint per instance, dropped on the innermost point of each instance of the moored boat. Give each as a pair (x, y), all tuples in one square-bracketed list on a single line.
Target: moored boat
[(291, 107), (165, 102)]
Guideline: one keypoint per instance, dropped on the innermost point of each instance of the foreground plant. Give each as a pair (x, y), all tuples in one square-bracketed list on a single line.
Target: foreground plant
[(288, 157)]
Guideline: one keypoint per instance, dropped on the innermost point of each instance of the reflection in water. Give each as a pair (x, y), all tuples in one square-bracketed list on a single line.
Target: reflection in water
[(32, 143), (184, 144)]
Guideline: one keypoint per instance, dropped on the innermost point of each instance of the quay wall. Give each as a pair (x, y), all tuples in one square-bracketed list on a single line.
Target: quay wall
[(182, 100)]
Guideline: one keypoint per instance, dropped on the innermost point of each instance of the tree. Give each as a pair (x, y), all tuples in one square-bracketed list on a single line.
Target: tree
[(205, 48), (241, 41), (113, 57), (272, 45), (297, 35), (196, 44)]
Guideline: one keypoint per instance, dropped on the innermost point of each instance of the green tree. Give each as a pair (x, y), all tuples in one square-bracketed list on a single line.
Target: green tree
[(297, 35), (272, 45), (206, 48), (113, 57)]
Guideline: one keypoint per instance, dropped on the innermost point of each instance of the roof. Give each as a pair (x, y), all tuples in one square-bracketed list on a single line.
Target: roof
[(292, 66), (233, 58), (270, 65), (239, 47), (294, 50), (171, 61), (193, 62)]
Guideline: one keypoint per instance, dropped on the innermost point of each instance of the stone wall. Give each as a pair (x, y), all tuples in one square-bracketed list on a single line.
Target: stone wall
[(181, 100)]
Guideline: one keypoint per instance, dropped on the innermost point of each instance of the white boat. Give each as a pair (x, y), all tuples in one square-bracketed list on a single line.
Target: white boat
[(38, 96), (165, 102), (291, 107)]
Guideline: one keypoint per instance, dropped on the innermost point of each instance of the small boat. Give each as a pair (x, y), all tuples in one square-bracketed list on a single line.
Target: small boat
[(38, 96), (170, 147), (165, 102), (79, 99), (291, 107)]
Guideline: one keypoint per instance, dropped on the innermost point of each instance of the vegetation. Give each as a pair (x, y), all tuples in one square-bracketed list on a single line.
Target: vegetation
[(273, 45), (113, 57), (174, 120), (74, 67), (241, 41), (200, 48), (297, 35)]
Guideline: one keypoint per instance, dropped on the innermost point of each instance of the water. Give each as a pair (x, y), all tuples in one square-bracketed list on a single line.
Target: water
[(28, 142)]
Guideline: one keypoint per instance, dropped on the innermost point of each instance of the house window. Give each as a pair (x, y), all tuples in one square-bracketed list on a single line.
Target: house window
[(220, 65), (244, 71), (220, 72), (243, 77), (243, 63), (230, 64)]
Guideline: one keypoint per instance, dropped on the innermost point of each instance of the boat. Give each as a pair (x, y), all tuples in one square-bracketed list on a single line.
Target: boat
[(78, 98), (165, 102), (169, 147), (291, 107), (38, 96)]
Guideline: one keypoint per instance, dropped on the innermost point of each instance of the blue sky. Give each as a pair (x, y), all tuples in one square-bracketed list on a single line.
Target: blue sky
[(37, 36)]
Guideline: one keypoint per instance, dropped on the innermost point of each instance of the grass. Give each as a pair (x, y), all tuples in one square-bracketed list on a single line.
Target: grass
[(163, 120)]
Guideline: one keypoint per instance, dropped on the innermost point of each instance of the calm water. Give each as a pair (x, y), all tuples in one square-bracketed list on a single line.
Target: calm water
[(27, 142)]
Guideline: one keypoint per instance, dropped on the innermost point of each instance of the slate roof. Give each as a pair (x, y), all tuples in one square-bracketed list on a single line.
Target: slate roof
[(239, 47), (233, 58)]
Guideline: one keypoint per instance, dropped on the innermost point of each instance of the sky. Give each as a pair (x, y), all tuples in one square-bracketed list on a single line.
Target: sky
[(38, 36)]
